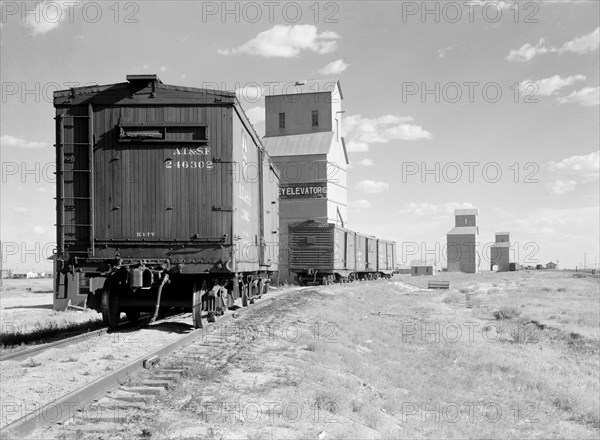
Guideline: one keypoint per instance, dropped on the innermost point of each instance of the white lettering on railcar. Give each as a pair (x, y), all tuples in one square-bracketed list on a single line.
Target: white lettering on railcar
[(145, 234), (200, 151)]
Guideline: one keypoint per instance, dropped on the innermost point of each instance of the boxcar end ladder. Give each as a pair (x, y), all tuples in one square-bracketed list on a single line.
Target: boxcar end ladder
[(61, 172)]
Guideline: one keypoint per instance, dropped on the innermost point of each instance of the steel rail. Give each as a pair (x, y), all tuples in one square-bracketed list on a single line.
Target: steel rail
[(65, 407), (61, 343)]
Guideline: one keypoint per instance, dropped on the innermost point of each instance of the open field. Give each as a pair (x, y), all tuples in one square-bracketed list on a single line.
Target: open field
[(26, 314), (510, 355)]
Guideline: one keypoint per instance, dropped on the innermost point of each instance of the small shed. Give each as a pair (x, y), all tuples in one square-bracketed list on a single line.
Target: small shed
[(551, 265), (422, 267)]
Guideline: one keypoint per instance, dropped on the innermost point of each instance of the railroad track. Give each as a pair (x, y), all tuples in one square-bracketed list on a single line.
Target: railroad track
[(81, 337), (115, 403)]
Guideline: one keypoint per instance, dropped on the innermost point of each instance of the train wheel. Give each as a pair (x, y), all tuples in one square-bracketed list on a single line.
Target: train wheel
[(244, 295), (197, 292), (132, 315), (109, 304), (261, 284)]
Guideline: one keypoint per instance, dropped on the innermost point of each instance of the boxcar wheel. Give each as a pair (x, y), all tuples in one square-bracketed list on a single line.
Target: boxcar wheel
[(109, 304), (132, 315), (244, 295), (197, 292)]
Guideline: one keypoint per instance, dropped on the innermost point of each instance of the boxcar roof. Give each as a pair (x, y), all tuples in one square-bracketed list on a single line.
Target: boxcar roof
[(140, 92)]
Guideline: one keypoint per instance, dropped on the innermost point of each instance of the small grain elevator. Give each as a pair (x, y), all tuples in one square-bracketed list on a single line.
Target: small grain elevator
[(462, 242)]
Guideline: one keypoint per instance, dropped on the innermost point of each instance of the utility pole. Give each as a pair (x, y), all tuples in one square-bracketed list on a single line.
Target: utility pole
[(584, 260)]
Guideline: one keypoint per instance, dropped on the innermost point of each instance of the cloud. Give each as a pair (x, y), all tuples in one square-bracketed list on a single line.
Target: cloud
[(584, 44), (581, 45), (287, 42), (363, 131), (38, 230), (575, 170), (442, 52), (11, 141), (360, 204), (549, 86), (587, 164), (357, 147), (256, 114), (365, 162), (20, 209), (500, 4), (563, 186), (587, 97), (527, 51), (47, 15), (334, 68), (163, 68), (251, 93), (371, 187), (422, 209)]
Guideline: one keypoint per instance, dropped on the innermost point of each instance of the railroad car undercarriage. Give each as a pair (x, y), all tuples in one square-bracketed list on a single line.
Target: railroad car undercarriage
[(151, 286)]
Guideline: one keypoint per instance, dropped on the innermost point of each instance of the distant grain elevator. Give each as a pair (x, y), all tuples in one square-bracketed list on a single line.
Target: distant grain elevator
[(462, 242), (500, 252)]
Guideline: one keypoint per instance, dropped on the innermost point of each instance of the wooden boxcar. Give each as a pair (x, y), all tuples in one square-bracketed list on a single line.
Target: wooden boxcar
[(321, 253), (165, 195)]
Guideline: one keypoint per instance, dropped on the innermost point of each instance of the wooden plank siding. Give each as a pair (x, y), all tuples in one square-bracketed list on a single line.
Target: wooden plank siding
[(151, 198)]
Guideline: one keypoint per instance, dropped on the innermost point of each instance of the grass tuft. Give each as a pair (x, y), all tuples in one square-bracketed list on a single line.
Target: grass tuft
[(507, 312)]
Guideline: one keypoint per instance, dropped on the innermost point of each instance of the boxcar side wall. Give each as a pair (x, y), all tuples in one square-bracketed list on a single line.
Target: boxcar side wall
[(254, 187)]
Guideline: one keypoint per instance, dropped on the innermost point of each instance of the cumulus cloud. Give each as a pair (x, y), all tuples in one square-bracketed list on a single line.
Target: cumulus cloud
[(256, 114), (365, 162), (422, 209), (334, 68), (580, 45), (587, 164), (549, 86), (360, 204), (527, 51), (442, 52), (11, 141), (372, 187), (363, 131), (563, 186), (575, 170), (287, 42), (47, 15), (587, 97), (250, 92)]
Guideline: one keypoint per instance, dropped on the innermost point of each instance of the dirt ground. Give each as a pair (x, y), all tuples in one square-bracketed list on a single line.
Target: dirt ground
[(499, 356), (26, 307)]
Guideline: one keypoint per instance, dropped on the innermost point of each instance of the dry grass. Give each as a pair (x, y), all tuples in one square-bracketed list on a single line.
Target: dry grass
[(404, 372)]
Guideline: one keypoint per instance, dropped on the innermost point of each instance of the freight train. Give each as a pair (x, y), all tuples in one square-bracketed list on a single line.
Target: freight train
[(166, 198), (325, 253)]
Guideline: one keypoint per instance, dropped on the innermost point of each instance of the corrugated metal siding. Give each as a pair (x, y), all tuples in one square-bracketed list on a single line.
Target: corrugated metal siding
[(371, 259), (306, 254), (350, 250), (361, 253)]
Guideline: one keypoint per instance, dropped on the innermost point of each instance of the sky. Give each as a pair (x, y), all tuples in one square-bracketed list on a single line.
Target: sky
[(484, 104)]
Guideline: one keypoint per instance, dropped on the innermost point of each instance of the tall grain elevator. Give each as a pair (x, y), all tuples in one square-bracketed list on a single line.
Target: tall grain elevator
[(303, 137), (500, 252), (462, 242)]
